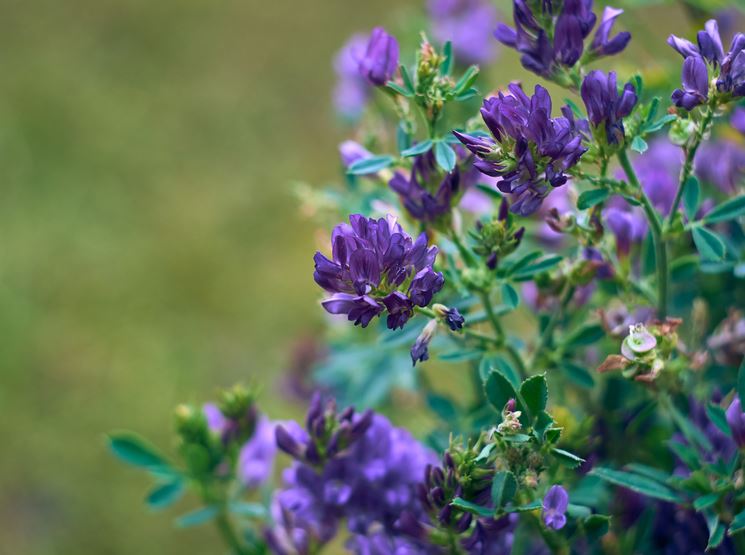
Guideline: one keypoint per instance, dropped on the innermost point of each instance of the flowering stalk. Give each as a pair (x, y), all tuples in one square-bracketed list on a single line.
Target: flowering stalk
[(655, 226)]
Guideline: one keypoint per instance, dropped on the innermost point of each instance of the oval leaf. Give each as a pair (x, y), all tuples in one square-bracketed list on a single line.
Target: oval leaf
[(733, 208), (370, 165), (708, 243), (445, 156), (588, 199)]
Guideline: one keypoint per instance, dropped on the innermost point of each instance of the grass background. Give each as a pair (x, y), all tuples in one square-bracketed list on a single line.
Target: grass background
[(151, 246)]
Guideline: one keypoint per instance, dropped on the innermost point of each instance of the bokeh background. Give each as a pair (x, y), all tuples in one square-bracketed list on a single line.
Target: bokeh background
[(151, 248)]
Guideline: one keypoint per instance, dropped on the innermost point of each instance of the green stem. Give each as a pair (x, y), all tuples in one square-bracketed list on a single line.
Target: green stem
[(489, 308), (228, 533), (465, 253), (655, 226), (548, 331), (687, 169)]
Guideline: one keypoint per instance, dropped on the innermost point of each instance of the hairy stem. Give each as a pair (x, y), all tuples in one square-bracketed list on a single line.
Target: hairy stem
[(655, 226)]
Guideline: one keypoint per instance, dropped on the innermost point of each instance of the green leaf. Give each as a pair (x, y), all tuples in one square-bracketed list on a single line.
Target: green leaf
[(718, 417), (461, 355), (710, 246), (737, 524), (443, 407), (706, 501), (485, 452), (134, 450), (489, 190), (578, 113), (577, 374), (590, 198), (637, 483), (445, 156), (586, 335), (250, 510), (472, 507), (447, 53), (467, 94), (733, 208), (370, 165), (509, 296), (542, 265), (503, 488), (195, 518), (165, 494), (419, 148), (534, 393), (596, 526), (467, 80), (578, 511), (406, 78), (543, 422), (684, 453), (692, 197), (532, 506), (494, 361), (498, 390), (716, 531), (403, 138), (566, 458), (639, 145), (692, 433), (399, 89)]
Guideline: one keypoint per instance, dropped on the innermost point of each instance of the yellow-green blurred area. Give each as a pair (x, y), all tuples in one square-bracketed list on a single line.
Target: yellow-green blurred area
[(151, 249)]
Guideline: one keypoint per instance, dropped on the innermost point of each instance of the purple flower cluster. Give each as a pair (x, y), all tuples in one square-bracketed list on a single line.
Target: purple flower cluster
[(532, 151), (369, 482), (551, 38), (425, 193), (606, 108), (709, 50), (256, 457), (467, 24), (375, 267)]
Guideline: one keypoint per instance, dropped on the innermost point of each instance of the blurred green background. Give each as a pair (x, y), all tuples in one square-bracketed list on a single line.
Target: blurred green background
[(152, 249)]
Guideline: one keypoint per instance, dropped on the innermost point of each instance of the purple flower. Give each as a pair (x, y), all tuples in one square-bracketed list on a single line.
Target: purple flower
[(606, 108), (554, 507), (380, 61), (256, 458), (352, 151), (731, 77), (569, 26), (467, 24), (425, 193), (375, 267), (695, 78), (532, 150), (721, 163), (352, 90), (602, 44), (420, 348), (736, 422)]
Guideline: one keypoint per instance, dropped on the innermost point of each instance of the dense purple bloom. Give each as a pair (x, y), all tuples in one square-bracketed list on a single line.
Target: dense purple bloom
[(554, 507), (467, 24), (370, 483), (352, 90), (695, 78), (426, 194), (532, 150), (380, 61), (375, 267), (736, 422), (606, 108), (569, 26), (731, 74), (721, 163), (381, 543)]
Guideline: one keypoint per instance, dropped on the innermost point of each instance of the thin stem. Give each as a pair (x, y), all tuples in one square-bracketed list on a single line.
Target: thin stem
[(228, 533), (655, 226), (687, 169), (548, 331), (490, 314)]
